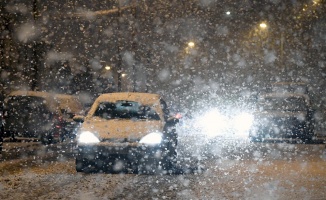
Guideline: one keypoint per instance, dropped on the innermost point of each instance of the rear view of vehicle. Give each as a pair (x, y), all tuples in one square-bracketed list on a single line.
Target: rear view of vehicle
[(283, 116), (31, 115), (39, 115)]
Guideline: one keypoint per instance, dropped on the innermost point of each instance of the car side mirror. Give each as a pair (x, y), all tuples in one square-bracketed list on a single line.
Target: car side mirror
[(172, 121), (79, 118), (5, 113)]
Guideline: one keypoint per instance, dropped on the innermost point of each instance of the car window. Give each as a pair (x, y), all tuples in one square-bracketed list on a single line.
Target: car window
[(125, 110), (285, 104), (18, 105)]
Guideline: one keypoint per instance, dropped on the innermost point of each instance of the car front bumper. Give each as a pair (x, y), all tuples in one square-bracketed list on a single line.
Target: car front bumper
[(106, 150)]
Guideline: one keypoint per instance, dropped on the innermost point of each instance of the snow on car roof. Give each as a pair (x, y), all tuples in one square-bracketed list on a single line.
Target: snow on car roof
[(143, 98), (63, 97), (291, 83), (65, 101), (30, 93), (284, 95)]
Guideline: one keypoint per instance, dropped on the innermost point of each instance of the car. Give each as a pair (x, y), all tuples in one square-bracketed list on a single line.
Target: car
[(223, 123), (282, 116), (127, 129), (42, 116)]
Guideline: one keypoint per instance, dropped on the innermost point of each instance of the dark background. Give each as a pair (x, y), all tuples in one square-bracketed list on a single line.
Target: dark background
[(63, 46)]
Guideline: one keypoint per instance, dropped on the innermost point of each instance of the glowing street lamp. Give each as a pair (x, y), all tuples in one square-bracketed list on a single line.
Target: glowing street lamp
[(107, 67), (189, 47), (263, 25), (191, 44)]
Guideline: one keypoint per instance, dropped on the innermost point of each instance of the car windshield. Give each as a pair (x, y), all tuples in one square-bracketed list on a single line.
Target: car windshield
[(284, 104), (125, 110)]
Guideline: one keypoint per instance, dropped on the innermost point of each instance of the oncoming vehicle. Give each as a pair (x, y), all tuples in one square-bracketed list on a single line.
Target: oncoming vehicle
[(40, 115), (130, 129), (283, 116), (224, 123)]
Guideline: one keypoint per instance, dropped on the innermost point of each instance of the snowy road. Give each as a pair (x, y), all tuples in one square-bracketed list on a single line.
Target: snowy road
[(231, 170)]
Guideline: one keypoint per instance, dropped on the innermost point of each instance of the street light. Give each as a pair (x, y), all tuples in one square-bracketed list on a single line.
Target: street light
[(191, 44), (107, 67), (263, 25), (263, 31)]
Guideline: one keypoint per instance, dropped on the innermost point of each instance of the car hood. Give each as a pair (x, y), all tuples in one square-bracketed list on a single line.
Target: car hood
[(121, 129)]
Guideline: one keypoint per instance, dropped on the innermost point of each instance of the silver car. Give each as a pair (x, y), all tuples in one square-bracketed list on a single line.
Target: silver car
[(283, 116), (127, 131)]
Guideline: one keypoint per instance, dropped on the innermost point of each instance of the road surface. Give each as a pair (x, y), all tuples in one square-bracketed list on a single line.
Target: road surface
[(221, 170)]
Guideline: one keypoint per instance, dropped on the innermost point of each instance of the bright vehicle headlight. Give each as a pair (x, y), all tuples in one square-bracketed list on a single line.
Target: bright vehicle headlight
[(213, 123), (87, 137), (152, 138), (243, 122)]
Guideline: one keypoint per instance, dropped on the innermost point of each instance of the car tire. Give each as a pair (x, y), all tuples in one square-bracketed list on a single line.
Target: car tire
[(308, 132), (164, 165), (148, 166), (308, 136), (46, 139), (169, 160), (81, 165)]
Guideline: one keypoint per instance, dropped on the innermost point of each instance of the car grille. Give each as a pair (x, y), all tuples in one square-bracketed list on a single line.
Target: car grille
[(121, 140)]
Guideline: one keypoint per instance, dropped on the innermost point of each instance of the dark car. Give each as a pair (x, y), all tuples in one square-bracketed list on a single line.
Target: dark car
[(283, 116), (130, 128), (40, 115)]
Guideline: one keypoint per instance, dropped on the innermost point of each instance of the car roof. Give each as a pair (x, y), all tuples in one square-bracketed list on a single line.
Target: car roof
[(290, 83), (64, 101), (284, 95), (30, 93), (143, 98)]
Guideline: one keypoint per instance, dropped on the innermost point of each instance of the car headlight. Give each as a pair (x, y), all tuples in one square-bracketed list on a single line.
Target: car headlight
[(212, 123), (87, 137), (152, 138), (243, 122)]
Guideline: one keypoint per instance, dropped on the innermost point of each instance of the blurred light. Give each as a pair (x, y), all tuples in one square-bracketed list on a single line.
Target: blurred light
[(191, 44), (123, 75), (228, 13), (107, 67), (178, 116), (263, 25), (213, 123), (243, 122), (315, 2), (152, 138), (87, 137)]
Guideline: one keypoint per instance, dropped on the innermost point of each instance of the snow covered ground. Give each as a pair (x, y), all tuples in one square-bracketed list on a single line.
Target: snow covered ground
[(258, 171)]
